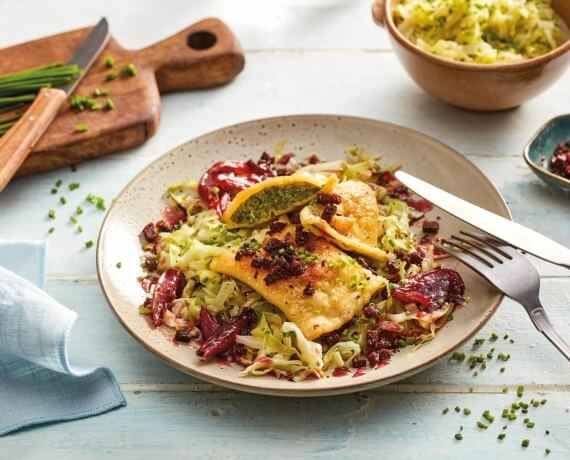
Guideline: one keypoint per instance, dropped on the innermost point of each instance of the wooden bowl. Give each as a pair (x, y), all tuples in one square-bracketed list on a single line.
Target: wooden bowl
[(480, 87)]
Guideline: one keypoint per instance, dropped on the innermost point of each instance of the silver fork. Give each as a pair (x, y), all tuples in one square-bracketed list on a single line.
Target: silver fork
[(509, 271)]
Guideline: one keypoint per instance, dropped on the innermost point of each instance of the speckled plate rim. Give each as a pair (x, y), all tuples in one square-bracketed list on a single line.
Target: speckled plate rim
[(254, 385), (538, 170)]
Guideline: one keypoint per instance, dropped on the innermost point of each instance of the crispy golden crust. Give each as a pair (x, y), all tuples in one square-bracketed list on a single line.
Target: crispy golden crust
[(341, 286)]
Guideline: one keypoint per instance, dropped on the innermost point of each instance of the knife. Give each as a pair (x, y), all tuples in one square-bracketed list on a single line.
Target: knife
[(515, 234), (19, 141)]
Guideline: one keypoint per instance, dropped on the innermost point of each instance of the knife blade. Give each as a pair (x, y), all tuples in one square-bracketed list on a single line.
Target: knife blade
[(515, 234), (19, 141)]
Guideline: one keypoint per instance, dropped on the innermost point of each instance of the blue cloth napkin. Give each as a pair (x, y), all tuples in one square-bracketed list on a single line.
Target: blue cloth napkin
[(37, 383)]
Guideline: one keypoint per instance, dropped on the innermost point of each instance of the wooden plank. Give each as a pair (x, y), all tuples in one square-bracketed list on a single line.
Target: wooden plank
[(233, 425), (25, 203), (98, 338), (354, 83), (257, 23)]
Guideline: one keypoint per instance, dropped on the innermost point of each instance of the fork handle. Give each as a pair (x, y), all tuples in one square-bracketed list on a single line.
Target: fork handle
[(543, 324)]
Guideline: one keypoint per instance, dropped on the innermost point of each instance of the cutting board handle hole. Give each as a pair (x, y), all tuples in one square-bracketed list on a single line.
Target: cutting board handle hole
[(201, 40)]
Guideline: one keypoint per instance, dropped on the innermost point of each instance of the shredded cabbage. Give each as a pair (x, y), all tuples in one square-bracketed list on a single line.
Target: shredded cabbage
[(481, 31)]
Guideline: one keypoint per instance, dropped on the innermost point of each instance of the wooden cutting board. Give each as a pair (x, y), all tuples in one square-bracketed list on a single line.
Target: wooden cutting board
[(205, 54)]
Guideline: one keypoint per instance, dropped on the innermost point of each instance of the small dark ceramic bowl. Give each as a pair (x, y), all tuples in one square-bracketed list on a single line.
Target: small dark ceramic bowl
[(538, 152)]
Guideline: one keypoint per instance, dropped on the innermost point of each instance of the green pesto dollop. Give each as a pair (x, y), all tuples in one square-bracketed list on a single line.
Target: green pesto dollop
[(272, 201)]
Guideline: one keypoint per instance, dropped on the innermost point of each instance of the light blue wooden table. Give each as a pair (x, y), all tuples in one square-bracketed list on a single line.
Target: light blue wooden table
[(299, 59)]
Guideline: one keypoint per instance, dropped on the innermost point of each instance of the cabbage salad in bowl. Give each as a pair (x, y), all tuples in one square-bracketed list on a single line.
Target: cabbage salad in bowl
[(298, 269), (481, 31)]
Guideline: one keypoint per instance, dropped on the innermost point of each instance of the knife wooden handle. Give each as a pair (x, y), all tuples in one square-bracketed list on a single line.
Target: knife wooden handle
[(18, 142)]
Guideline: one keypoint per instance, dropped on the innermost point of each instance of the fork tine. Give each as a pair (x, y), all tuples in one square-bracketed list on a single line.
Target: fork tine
[(465, 255), (489, 241), (478, 246)]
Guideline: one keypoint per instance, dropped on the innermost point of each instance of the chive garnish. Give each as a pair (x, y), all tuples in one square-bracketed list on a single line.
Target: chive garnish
[(53, 191), (543, 402), (98, 201), (494, 337), (80, 229), (457, 409), (445, 411), (88, 244), (62, 200), (547, 451), (111, 76), (520, 391), (81, 128), (51, 230), (501, 370), (109, 61), (530, 425), (51, 214), (78, 210), (478, 342), (73, 186), (482, 425), (525, 443), (119, 264), (109, 105), (459, 436), (73, 168), (466, 411), (73, 219), (105, 92), (501, 436), (131, 70), (547, 432), (58, 183)]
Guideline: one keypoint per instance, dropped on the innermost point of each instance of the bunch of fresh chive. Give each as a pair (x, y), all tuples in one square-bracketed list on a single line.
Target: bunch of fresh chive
[(20, 88)]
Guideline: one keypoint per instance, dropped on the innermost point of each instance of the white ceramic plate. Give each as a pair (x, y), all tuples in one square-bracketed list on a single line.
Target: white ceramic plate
[(141, 200)]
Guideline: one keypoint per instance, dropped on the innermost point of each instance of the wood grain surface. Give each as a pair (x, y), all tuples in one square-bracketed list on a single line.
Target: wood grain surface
[(204, 55)]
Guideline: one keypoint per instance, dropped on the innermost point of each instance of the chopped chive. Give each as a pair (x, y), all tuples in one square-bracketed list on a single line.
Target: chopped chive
[(131, 70), (488, 417), (51, 214), (62, 200), (80, 229), (547, 451), (515, 406), (459, 436), (504, 427), (58, 183), (520, 391), (530, 424), (105, 92), (501, 370), (524, 411), (97, 92), (73, 168), (505, 413), (543, 402), (111, 76), (512, 416), (119, 264), (475, 374), (501, 436), (445, 411), (478, 342), (503, 357), (525, 443), (78, 210), (482, 425), (73, 219), (494, 337), (506, 336), (547, 432), (51, 230), (53, 191), (109, 105), (511, 341), (74, 186), (466, 411), (457, 409), (505, 390), (109, 61), (95, 106), (88, 244), (98, 201), (81, 128)]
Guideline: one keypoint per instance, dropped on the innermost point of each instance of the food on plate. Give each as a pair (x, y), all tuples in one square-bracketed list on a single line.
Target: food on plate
[(297, 269), (560, 161), (481, 31)]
